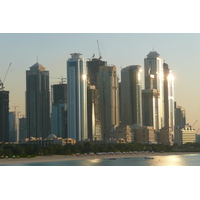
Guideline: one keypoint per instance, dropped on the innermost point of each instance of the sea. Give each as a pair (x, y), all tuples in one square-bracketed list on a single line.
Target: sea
[(169, 160)]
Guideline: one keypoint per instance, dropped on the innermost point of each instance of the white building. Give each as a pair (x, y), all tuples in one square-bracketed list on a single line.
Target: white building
[(184, 135), (77, 97)]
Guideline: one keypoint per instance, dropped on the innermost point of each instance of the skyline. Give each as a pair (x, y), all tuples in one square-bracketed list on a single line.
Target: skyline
[(148, 16), (179, 51)]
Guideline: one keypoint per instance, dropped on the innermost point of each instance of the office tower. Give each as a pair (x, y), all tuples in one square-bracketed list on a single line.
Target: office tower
[(93, 70), (37, 101), (77, 97), (4, 115), (168, 97), (131, 97), (108, 87), (59, 110), (94, 118), (153, 65)]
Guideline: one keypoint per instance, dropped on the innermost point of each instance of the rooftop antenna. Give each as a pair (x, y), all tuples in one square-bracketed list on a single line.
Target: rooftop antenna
[(37, 59)]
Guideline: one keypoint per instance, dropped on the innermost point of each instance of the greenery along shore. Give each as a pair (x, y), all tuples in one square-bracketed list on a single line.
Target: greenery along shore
[(23, 150)]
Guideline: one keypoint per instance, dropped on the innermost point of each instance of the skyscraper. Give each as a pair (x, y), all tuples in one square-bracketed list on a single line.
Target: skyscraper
[(168, 97), (131, 97), (4, 115), (77, 97), (94, 117), (108, 87), (153, 66), (150, 104), (37, 101), (59, 110)]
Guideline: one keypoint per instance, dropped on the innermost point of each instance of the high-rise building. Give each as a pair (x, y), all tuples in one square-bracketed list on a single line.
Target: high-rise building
[(150, 103), (180, 122), (94, 118), (153, 65), (77, 97), (131, 97), (4, 116), (168, 97), (180, 116), (13, 126), (37, 101), (59, 110), (108, 86)]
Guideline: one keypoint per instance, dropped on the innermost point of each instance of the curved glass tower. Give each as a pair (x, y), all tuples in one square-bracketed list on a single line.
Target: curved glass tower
[(77, 97)]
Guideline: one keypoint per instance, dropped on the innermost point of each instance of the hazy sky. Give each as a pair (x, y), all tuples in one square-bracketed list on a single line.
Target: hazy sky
[(180, 51)]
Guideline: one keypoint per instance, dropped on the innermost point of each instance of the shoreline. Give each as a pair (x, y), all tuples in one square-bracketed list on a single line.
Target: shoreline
[(52, 158)]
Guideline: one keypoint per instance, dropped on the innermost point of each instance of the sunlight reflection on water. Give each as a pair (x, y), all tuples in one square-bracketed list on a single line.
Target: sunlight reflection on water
[(170, 160)]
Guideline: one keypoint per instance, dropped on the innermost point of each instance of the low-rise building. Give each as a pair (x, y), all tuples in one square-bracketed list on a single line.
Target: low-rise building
[(184, 135), (143, 134), (50, 140), (122, 134), (165, 136)]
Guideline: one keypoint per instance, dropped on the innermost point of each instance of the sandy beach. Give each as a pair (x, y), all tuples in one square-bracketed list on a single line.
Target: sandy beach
[(51, 158)]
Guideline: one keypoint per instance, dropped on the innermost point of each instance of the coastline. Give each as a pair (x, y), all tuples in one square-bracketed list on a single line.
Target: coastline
[(52, 158)]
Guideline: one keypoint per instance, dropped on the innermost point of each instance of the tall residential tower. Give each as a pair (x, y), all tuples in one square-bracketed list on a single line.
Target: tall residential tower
[(131, 99), (153, 66), (37, 101), (108, 87)]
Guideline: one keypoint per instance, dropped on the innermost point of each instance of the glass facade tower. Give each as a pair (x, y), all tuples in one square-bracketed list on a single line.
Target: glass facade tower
[(77, 97)]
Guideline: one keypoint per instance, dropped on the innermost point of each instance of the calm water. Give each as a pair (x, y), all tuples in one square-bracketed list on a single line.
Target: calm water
[(171, 160)]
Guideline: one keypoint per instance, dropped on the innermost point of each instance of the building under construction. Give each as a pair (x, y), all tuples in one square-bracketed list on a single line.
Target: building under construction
[(4, 116), (93, 67), (4, 111)]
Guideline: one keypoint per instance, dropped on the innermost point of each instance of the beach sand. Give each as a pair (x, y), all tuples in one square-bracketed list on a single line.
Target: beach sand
[(52, 158)]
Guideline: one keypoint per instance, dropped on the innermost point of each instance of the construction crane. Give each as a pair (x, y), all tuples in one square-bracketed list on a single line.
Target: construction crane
[(99, 50), (195, 123), (62, 79), (91, 57), (2, 82)]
